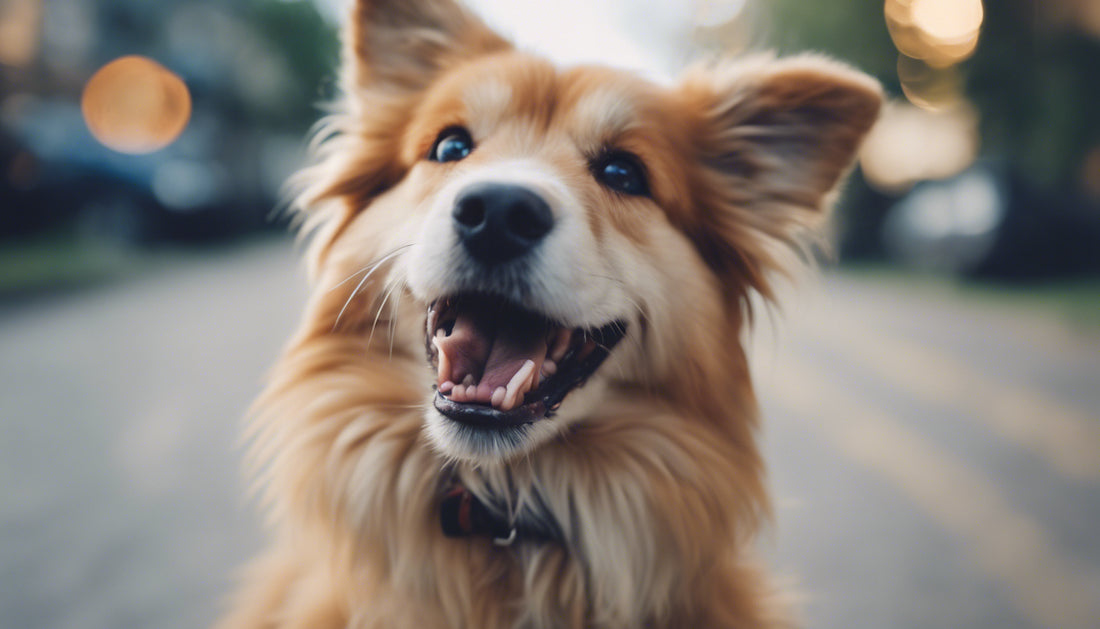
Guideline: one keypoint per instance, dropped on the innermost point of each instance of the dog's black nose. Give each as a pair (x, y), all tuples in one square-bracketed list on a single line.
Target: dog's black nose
[(500, 222)]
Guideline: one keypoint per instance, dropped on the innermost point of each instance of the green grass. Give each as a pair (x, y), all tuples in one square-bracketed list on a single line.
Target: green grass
[(60, 261)]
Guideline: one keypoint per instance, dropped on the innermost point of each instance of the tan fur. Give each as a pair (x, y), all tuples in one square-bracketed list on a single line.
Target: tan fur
[(652, 472)]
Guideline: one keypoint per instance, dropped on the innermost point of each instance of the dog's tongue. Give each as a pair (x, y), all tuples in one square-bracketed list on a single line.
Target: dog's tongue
[(489, 349)]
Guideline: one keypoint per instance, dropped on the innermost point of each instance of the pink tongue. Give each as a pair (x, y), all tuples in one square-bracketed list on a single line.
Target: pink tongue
[(491, 348)]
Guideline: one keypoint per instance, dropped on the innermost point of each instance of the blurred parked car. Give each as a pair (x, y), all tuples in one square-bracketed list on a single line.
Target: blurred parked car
[(988, 222), (212, 182)]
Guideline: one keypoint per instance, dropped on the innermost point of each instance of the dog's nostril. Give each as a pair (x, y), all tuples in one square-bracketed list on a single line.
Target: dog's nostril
[(470, 211), (527, 223)]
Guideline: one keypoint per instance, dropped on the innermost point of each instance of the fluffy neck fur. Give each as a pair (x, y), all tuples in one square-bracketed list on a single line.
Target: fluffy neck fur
[(656, 510)]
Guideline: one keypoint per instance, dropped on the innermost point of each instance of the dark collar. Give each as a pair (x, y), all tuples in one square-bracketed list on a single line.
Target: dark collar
[(462, 514)]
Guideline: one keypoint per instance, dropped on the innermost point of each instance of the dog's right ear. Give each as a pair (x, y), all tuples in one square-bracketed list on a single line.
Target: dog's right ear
[(405, 44)]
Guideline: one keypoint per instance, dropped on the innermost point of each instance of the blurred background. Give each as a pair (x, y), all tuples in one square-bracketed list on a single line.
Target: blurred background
[(933, 406)]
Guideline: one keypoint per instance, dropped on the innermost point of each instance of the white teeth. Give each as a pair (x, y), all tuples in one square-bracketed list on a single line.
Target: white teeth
[(440, 333), (561, 345), (484, 393), (446, 387), (468, 380), (549, 368), (533, 379), (520, 379), (498, 396), (444, 362)]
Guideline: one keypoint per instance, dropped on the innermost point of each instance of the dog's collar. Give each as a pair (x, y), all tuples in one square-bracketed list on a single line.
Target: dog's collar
[(462, 514)]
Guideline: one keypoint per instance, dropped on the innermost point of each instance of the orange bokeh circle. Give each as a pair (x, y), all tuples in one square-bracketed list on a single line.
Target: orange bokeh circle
[(135, 105)]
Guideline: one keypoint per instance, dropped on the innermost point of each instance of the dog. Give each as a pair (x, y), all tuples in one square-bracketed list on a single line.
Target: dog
[(519, 396)]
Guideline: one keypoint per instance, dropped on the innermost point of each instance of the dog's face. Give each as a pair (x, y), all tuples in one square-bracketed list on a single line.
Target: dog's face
[(556, 237)]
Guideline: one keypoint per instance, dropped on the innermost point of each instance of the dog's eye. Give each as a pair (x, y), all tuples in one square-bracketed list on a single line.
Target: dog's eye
[(452, 145), (622, 172)]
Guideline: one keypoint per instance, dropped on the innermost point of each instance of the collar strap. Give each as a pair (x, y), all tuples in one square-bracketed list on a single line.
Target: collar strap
[(461, 514)]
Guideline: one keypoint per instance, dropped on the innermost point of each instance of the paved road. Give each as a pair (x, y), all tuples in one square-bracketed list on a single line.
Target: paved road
[(936, 461)]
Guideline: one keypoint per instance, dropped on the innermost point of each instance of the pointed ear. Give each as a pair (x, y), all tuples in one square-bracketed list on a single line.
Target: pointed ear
[(774, 138), (407, 43)]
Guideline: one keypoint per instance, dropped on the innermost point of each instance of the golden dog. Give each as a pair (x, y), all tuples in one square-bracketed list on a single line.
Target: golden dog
[(519, 396)]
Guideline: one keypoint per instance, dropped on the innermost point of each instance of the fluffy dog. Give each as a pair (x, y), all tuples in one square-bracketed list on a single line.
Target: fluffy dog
[(519, 396)]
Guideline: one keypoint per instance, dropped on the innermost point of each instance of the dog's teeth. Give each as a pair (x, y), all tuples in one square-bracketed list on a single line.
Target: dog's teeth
[(520, 379), (561, 344), (549, 368), (440, 333), (446, 387), (468, 380), (444, 362), (533, 380), (498, 396), (483, 392)]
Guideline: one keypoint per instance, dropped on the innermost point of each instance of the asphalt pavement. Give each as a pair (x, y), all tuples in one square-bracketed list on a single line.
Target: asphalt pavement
[(935, 458)]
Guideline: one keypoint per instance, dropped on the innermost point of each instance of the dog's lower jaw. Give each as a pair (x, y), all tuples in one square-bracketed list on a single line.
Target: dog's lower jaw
[(456, 441)]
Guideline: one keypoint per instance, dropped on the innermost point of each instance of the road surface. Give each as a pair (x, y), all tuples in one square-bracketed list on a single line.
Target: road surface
[(936, 461)]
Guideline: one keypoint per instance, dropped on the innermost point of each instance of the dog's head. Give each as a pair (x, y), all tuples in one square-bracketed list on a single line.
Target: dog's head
[(538, 230)]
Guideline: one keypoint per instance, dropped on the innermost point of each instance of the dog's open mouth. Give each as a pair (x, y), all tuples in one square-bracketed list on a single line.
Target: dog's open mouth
[(500, 365)]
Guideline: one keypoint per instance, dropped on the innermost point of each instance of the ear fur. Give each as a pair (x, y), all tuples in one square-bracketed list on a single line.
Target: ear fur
[(407, 43), (774, 138)]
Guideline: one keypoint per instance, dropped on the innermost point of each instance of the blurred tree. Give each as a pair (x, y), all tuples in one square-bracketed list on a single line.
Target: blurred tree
[(309, 47), (1035, 81), (1034, 78)]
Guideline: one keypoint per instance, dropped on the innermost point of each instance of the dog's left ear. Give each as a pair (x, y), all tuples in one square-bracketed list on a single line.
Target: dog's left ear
[(405, 44), (774, 138)]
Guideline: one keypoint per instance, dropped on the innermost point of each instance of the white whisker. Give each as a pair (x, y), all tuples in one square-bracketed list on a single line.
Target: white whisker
[(362, 282), (385, 298), (369, 267)]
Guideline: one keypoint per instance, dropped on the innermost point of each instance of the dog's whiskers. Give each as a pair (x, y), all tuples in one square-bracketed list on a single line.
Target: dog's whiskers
[(359, 286), (393, 320), (369, 266), (378, 313)]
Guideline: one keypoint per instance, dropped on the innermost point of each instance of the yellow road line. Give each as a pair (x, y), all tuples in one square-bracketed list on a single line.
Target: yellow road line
[(1051, 590), (1065, 437)]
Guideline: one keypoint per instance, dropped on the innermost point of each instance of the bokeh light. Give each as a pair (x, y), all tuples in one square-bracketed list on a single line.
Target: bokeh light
[(135, 105), (19, 31), (929, 87), (940, 33), (910, 144)]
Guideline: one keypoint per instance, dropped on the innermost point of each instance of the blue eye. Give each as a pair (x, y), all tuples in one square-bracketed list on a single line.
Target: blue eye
[(623, 173), (452, 145)]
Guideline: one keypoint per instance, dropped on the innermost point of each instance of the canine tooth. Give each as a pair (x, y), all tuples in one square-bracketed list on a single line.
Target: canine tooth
[(498, 396), (440, 333), (444, 362), (521, 378), (446, 387), (533, 380), (549, 368)]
